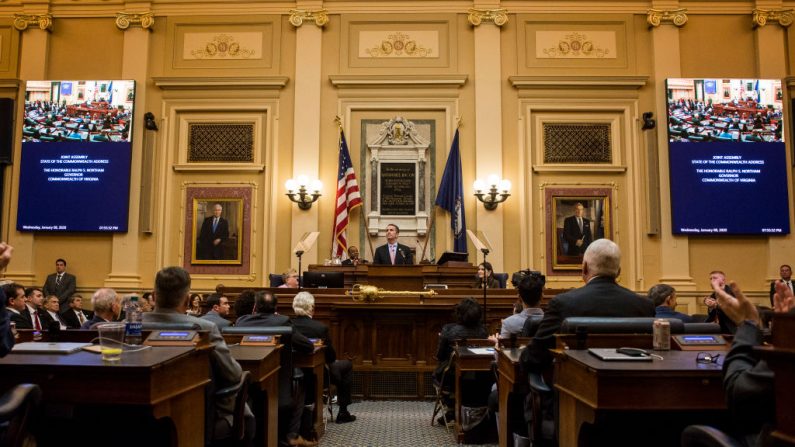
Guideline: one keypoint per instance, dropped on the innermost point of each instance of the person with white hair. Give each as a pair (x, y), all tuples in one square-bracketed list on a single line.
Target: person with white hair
[(601, 296), (107, 308), (340, 371)]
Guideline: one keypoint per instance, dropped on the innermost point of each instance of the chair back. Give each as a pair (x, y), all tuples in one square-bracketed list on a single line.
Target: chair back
[(502, 279), (702, 328), (17, 408), (531, 325), (240, 391), (155, 326), (275, 279), (612, 325)]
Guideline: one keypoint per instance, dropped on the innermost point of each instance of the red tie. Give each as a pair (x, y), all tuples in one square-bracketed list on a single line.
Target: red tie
[(36, 321)]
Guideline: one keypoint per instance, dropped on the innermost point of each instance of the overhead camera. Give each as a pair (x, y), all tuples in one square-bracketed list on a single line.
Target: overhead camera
[(517, 277)]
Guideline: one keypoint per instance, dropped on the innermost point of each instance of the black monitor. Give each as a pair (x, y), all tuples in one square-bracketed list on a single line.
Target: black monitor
[(324, 280), (452, 256)]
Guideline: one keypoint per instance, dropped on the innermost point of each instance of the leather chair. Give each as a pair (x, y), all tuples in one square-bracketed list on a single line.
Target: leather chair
[(612, 325), (17, 408), (502, 279), (275, 280), (443, 393), (531, 325), (704, 436), (222, 436)]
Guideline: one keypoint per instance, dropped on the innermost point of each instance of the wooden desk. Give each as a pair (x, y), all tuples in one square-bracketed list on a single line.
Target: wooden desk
[(590, 388), (162, 382), (466, 360), (317, 363), (263, 364), (510, 379)]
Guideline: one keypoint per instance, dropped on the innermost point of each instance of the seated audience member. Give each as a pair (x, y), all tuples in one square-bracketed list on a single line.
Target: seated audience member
[(219, 309), (485, 269), (785, 271), (715, 313), (149, 299), (530, 289), (6, 336), (353, 257), (34, 299), (468, 316), (195, 308), (664, 298), (290, 409), (290, 279), (74, 316), (107, 308), (172, 295), (18, 311), (244, 304), (341, 371), (51, 313), (747, 380)]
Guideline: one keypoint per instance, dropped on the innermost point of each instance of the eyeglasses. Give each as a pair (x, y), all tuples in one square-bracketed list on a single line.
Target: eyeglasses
[(707, 357)]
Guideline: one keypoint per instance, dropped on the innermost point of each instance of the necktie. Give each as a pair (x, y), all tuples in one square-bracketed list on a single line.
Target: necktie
[(81, 318), (579, 222), (58, 280), (215, 224), (36, 322), (392, 253)]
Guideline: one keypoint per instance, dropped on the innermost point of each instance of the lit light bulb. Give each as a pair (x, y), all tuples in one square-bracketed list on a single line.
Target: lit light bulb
[(290, 185), (317, 185), (479, 185), (505, 185)]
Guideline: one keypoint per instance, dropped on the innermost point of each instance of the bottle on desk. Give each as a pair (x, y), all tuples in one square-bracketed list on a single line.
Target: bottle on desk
[(133, 322)]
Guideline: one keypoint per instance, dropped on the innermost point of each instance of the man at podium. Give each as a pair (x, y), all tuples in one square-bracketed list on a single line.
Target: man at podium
[(393, 253)]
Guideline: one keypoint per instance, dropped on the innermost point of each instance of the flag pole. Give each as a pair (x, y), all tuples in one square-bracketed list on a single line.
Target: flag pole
[(428, 234), (337, 120), (369, 239)]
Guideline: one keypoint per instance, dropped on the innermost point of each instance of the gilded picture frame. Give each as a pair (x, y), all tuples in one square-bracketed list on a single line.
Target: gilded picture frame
[(575, 218)]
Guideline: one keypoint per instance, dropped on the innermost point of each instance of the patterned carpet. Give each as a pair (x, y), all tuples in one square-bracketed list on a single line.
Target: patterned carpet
[(389, 423)]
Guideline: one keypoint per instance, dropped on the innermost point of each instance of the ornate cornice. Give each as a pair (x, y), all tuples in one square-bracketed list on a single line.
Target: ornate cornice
[(298, 16), (23, 21), (782, 16), (124, 20), (677, 17), (477, 16)]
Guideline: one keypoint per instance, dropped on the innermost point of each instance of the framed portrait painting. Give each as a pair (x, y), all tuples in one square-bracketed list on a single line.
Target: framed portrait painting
[(575, 218), (217, 229)]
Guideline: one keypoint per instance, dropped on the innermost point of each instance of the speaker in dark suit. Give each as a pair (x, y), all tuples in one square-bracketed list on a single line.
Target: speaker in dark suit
[(384, 254)]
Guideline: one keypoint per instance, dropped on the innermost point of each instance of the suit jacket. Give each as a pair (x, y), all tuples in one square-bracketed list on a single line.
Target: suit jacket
[(402, 256), (216, 318), (315, 329), (667, 312), (22, 319), (226, 370), (572, 233), (47, 319), (601, 297), (6, 337), (70, 318), (206, 248), (299, 341), (716, 315), (95, 320), (63, 290)]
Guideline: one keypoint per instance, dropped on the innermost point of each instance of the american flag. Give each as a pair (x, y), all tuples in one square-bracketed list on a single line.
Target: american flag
[(347, 199)]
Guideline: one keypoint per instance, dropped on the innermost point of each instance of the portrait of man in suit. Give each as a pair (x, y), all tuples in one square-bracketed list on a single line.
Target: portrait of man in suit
[(216, 229), (577, 231), (579, 217)]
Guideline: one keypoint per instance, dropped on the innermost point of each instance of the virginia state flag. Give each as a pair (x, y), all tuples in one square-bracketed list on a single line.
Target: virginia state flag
[(451, 196)]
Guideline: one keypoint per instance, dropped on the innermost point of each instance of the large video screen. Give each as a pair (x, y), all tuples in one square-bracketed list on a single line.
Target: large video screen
[(728, 166), (76, 153)]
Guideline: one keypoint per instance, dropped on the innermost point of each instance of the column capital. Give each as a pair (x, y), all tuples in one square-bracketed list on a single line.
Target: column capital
[(125, 19), (677, 17), (781, 16), (477, 16), (23, 21), (319, 16)]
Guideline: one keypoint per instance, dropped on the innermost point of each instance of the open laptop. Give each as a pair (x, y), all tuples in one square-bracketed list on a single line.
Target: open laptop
[(48, 348)]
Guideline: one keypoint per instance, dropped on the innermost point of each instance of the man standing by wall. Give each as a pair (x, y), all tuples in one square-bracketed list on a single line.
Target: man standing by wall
[(60, 283)]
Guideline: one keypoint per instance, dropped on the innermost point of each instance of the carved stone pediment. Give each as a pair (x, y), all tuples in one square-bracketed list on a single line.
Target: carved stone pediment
[(398, 132)]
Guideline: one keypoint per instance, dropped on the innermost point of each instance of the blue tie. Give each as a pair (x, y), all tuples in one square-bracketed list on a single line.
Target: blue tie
[(215, 224)]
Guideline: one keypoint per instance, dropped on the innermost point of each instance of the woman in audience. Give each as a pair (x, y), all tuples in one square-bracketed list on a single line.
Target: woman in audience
[(491, 282), (195, 308)]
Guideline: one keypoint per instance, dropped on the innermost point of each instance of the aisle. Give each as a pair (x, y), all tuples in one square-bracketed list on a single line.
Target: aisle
[(389, 423)]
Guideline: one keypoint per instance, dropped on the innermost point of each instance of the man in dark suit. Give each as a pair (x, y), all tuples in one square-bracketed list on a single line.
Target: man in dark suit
[(290, 407), (600, 297), (74, 316), (786, 277), (715, 314), (107, 308), (15, 306), (214, 231), (393, 253), (219, 309), (577, 231), (340, 371), (50, 313), (6, 337), (60, 283), (353, 257)]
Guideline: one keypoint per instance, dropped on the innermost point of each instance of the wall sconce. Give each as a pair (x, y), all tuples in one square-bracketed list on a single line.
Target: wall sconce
[(298, 191), (497, 187)]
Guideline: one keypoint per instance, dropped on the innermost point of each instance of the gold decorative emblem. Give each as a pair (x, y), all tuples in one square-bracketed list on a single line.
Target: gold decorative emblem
[(297, 17), (782, 16), (370, 294), (124, 20), (477, 16), (22, 21), (678, 17), (399, 44), (222, 45), (576, 45)]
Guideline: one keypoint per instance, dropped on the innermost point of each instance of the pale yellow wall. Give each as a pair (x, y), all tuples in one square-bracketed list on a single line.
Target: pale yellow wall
[(84, 42)]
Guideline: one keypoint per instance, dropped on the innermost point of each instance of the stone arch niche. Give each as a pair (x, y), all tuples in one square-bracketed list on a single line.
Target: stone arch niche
[(398, 180)]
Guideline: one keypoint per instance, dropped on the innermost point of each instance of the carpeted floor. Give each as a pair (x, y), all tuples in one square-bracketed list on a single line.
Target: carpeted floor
[(389, 423)]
